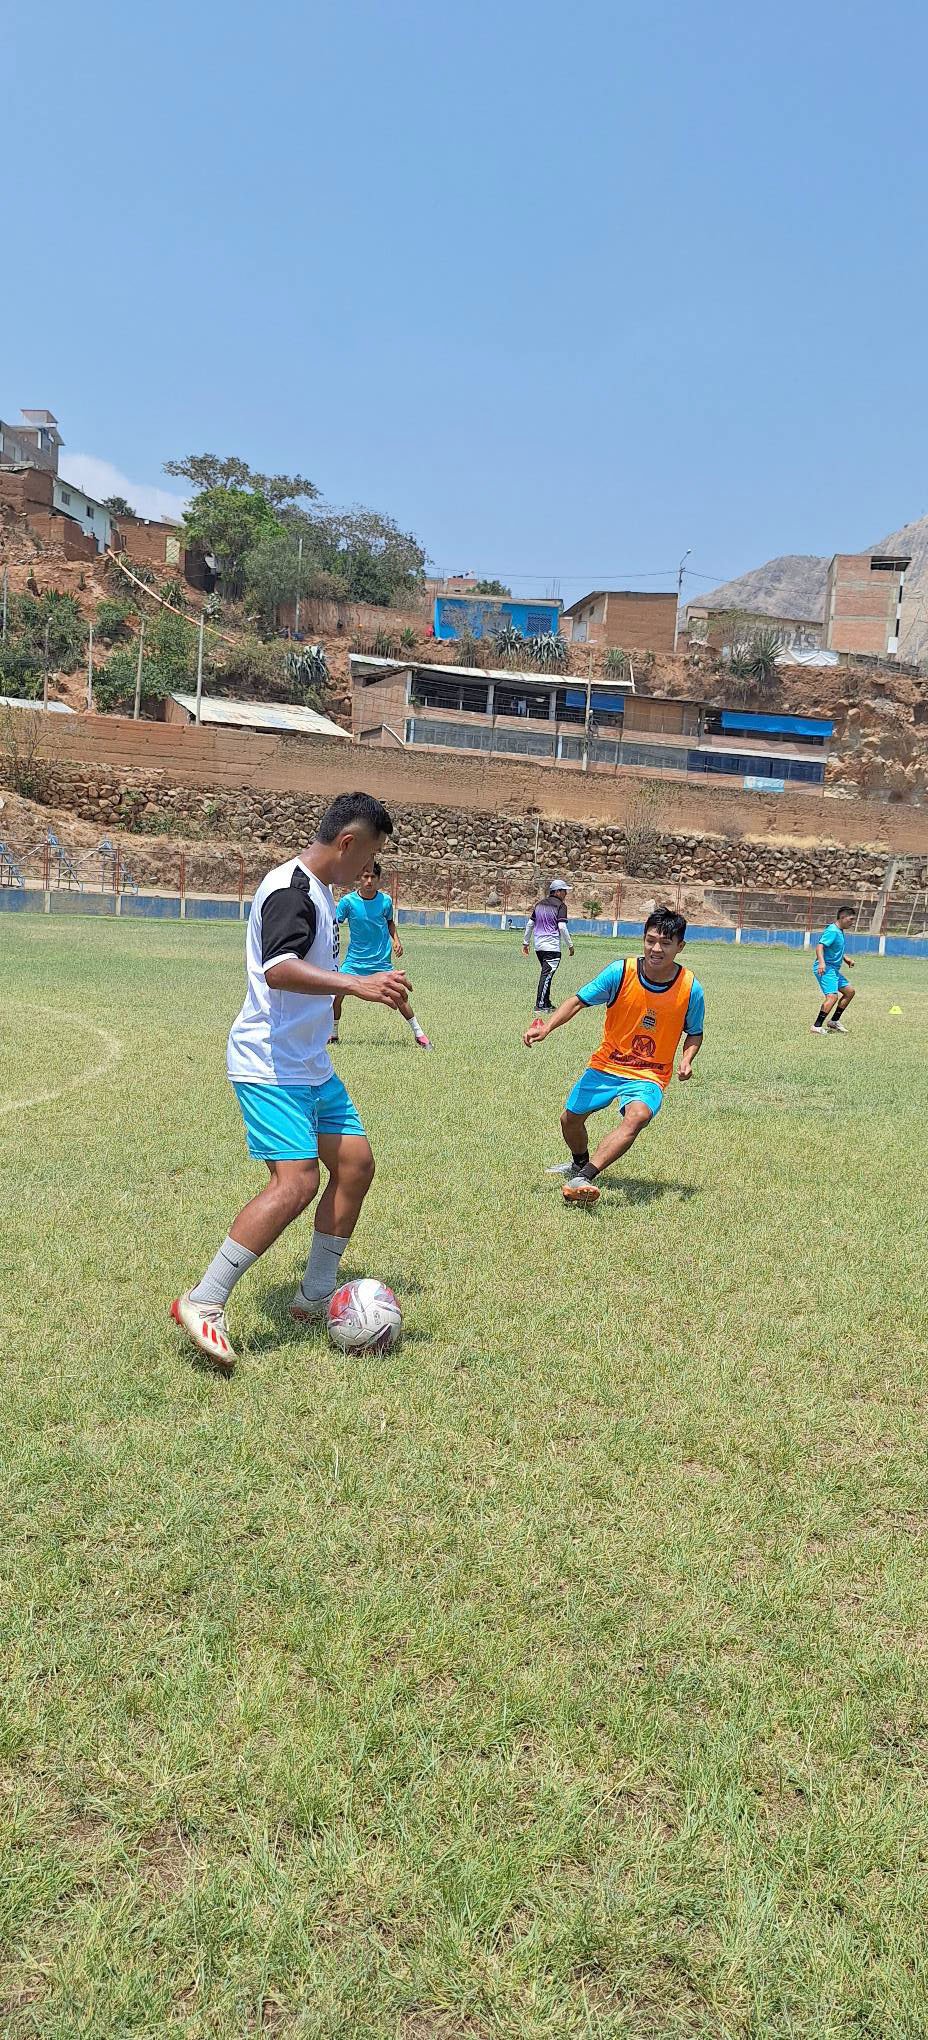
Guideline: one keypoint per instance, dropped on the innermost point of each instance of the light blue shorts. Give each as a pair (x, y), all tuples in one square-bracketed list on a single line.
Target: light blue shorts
[(283, 1121), (596, 1089), (831, 980)]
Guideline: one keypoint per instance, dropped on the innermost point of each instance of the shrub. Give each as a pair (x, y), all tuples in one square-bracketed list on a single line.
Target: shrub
[(408, 639), (308, 672), (111, 622), (175, 593), (21, 764), (547, 653), (641, 833), (21, 672), (615, 663), (592, 907), (59, 615)]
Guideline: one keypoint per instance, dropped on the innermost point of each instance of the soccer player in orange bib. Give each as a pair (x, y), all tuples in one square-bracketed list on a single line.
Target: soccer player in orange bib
[(651, 1005)]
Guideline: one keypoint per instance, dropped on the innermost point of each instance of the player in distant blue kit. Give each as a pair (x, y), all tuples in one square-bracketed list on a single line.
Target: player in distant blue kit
[(372, 943), (830, 960)]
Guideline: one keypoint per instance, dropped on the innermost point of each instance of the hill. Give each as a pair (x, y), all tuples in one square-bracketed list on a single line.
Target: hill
[(793, 585)]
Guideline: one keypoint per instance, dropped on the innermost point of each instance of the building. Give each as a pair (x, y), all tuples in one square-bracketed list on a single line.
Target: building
[(152, 542), (478, 616), (558, 721), (281, 718), (863, 602), (620, 617), (95, 520), (718, 627), (34, 442)]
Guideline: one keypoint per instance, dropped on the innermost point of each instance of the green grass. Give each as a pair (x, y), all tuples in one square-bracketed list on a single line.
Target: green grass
[(562, 1674)]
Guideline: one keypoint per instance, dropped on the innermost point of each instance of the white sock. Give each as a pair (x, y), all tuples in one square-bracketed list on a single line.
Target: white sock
[(227, 1268), (320, 1276), (414, 1024)]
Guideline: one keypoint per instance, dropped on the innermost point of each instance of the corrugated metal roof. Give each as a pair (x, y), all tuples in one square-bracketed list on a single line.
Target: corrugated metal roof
[(17, 701), (286, 717)]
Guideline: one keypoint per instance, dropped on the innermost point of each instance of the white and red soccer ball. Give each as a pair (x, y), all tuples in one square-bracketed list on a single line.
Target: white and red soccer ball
[(364, 1317)]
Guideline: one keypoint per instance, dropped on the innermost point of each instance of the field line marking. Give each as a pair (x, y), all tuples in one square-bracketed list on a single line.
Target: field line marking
[(112, 1046)]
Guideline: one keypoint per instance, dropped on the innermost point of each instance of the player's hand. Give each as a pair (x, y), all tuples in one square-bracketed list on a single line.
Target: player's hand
[(384, 988), (684, 1072), (536, 1032), (525, 948), (398, 949)]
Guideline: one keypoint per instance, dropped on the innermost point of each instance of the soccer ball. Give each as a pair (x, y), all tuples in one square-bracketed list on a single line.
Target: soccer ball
[(364, 1317)]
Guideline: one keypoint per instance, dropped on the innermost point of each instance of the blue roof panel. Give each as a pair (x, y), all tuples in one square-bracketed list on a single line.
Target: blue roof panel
[(776, 725)]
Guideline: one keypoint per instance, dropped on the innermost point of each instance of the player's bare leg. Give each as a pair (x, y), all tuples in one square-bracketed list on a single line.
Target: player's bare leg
[(583, 1188), (834, 1020), (337, 1004), (350, 1164)]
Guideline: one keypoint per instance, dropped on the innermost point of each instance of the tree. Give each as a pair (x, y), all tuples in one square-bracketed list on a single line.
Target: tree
[(274, 573), (119, 506), (228, 522), (491, 588), (375, 561), (207, 471)]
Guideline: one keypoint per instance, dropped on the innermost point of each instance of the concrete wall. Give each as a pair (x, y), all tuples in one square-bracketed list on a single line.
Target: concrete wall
[(222, 758), (94, 520), (633, 622)]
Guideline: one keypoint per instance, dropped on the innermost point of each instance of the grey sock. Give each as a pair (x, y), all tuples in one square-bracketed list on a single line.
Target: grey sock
[(320, 1276), (231, 1262)]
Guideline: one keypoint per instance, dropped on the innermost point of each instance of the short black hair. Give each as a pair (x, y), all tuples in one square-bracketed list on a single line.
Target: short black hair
[(347, 808), (845, 910), (376, 868), (670, 926)]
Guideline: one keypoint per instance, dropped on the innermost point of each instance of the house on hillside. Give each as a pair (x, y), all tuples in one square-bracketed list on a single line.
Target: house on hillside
[(629, 620), (706, 625), (479, 616), (863, 602), (590, 727), (34, 442)]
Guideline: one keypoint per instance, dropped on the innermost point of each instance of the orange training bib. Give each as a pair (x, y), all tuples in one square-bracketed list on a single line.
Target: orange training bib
[(644, 1027)]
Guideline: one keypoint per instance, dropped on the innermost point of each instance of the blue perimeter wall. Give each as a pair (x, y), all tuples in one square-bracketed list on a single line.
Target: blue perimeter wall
[(158, 907)]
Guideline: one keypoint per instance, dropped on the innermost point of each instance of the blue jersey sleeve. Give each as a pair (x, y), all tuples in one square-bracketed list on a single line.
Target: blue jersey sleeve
[(387, 907), (603, 989), (342, 910), (696, 1010)]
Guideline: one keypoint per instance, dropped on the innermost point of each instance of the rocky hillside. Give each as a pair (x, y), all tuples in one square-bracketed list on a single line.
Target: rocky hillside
[(794, 585)]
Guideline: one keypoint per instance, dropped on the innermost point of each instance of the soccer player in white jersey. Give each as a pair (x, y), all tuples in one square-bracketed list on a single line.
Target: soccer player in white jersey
[(297, 1112)]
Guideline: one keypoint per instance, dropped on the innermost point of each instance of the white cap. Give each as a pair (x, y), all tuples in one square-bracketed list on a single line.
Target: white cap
[(558, 885)]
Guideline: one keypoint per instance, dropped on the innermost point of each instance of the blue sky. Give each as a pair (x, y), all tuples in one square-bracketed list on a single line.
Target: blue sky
[(565, 290)]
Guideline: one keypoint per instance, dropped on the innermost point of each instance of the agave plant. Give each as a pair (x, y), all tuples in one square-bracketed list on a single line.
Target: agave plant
[(615, 663), (307, 670), (508, 644), (548, 653)]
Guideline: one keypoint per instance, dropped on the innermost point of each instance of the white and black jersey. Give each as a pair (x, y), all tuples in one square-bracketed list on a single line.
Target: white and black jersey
[(280, 1037)]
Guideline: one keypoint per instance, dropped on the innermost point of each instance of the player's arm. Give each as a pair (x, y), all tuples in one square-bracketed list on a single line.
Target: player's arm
[(565, 931), (539, 1027), (394, 937), (819, 959), (382, 988), (530, 923), (691, 1047)]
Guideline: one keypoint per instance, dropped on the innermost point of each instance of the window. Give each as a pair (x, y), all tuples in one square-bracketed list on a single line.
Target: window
[(90, 511), (539, 623), (66, 495)]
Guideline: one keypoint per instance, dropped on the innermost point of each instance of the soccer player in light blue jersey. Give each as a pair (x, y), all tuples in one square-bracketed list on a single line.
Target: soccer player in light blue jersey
[(373, 941), (830, 961)]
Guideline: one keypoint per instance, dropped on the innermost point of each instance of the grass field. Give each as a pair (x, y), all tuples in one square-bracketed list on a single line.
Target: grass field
[(563, 1674)]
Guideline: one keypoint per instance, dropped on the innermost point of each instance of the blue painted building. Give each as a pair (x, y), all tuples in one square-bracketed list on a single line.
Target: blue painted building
[(478, 616)]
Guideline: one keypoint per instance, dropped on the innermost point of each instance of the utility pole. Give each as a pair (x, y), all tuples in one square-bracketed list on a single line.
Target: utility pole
[(299, 586), (6, 591), (676, 613), (138, 673), (90, 669), (586, 716), (198, 716), (45, 679)]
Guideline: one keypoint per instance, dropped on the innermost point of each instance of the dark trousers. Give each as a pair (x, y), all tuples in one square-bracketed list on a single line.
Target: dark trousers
[(548, 960)]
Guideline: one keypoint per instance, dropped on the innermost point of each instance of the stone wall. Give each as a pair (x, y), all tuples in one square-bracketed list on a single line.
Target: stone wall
[(440, 854), (217, 760)]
